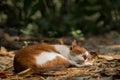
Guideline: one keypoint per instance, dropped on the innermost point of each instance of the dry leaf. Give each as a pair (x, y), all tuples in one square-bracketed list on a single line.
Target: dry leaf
[(67, 71), (25, 72), (4, 74), (107, 57), (117, 56), (3, 51)]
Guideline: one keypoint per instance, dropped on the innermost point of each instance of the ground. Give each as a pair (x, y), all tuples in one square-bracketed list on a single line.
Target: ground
[(106, 66)]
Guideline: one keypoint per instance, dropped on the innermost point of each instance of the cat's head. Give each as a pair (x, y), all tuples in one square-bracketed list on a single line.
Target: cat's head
[(81, 55)]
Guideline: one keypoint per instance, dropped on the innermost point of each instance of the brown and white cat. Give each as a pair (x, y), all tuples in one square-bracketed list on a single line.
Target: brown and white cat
[(46, 57)]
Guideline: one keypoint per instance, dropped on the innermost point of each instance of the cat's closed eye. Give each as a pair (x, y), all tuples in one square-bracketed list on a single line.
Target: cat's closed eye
[(84, 56)]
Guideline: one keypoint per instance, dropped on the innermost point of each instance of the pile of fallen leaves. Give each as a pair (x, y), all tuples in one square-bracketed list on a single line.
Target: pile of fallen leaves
[(106, 66)]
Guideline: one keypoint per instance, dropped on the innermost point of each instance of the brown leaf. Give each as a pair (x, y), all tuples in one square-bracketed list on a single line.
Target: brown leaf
[(67, 71), (9, 38), (25, 72), (109, 57), (4, 74), (3, 51)]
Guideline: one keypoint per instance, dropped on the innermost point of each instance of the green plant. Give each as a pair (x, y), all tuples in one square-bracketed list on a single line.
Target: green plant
[(55, 18)]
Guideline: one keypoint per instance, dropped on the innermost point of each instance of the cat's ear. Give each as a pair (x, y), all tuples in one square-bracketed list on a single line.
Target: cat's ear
[(74, 43), (61, 41)]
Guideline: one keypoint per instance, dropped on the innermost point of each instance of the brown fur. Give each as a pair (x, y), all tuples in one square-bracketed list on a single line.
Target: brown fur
[(55, 64), (24, 58), (76, 50)]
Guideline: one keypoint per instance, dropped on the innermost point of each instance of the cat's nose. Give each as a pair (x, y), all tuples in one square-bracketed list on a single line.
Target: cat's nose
[(85, 56)]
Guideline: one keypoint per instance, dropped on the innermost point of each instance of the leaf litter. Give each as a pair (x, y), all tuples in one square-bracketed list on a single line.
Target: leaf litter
[(106, 66)]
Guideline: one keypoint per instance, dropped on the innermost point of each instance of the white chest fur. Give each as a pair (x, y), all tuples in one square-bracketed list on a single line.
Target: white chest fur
[(63, 50)]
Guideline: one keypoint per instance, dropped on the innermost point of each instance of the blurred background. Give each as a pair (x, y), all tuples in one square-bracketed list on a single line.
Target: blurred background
[(56, 18)]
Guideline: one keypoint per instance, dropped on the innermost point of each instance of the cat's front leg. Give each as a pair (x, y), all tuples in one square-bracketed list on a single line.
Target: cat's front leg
[(75, 64)]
